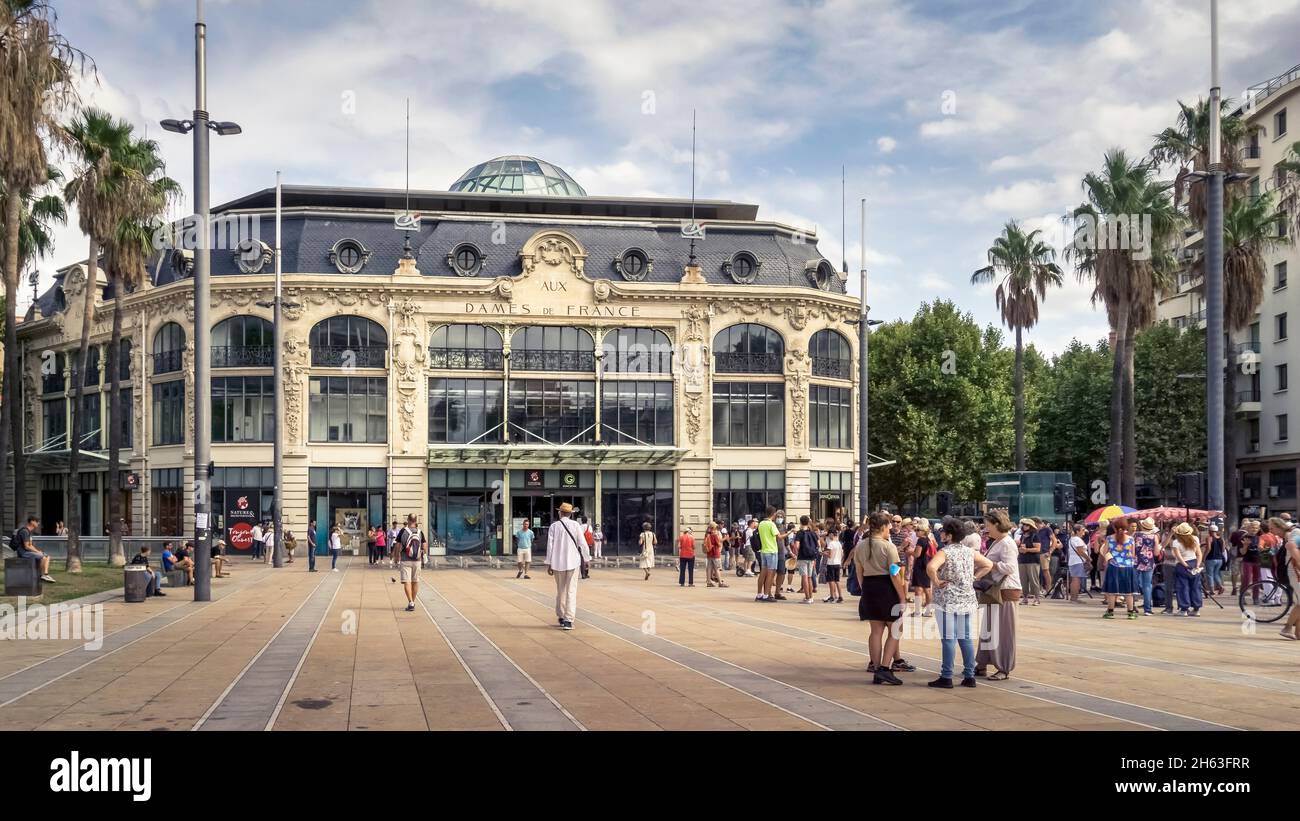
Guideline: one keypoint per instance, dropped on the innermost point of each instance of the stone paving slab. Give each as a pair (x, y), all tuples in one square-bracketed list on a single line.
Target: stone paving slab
[(255, 696)]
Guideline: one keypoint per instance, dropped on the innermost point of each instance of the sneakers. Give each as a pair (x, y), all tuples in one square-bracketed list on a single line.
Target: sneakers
[(779, 597), (710, 584), (1132, 615), (567, 625), (806, 601), (519, 575), (48, 579), (941, 683), (902, 666), (526, 576), (828, 599), (1195, 612), (410, 606), (1286, 633), (335, 569), (839, 600), (1109, 614), (886, 677), (968, 682), (722, 584), (760, 597)]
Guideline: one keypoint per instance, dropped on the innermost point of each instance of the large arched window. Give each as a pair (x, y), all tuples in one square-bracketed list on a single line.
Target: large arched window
[(348, 342), (466, 347), (552, 348), (242, 342), (636, 350), (831, 355), (168, 346), (747, 348)]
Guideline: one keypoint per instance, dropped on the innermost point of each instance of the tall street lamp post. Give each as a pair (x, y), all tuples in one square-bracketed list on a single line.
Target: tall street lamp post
[(200, 125), (1214, 341)]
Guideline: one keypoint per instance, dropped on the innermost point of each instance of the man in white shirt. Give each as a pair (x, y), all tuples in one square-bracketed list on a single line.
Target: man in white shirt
[(566, 550), (258, 536)]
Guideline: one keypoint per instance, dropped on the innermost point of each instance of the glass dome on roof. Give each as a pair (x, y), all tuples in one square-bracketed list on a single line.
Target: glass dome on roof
[(516, 174)]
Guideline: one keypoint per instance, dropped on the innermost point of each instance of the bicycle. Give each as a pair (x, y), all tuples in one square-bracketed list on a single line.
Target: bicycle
[(1265, 601)]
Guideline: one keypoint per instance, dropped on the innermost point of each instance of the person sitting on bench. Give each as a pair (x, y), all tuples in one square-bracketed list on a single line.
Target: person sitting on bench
[(21, 542), (179, 561), (154, 588)]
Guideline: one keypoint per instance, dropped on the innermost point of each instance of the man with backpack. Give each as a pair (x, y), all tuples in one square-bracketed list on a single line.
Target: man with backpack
[(21, 543), (566, 551), (410, 552)]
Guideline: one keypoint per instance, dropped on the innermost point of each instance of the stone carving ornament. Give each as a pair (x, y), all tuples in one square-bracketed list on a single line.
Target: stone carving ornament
[(295, 363), (796, 366)]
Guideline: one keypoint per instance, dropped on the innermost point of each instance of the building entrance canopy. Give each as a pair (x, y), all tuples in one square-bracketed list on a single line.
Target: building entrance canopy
[(611, 455)]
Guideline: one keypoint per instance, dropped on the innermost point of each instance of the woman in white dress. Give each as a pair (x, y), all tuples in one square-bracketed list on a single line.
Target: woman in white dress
[(647, 555)]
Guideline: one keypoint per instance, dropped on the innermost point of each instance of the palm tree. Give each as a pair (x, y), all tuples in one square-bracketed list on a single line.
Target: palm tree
[(102, 144), (1026, 267), (39, 211), (36, 70), (1126, 284), (1187, 145), (1249, 230), (145, 198)]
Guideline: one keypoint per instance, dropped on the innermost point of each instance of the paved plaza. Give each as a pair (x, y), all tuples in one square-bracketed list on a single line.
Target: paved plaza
[(291, 650)]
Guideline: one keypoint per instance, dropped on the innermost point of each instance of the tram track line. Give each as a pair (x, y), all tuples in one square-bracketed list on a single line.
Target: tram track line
[(821, 712), (164, 620), (1151, 717), (247, 710), (506, 690)]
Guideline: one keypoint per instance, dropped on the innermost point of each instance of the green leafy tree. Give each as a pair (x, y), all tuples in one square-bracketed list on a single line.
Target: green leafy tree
[(940, 404), (1024, 267), (1072, 419), (1170, 410)]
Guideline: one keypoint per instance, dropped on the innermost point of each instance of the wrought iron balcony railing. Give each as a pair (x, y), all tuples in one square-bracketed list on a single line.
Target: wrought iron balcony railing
[(467, 359), (241, 356), (747, 362), (833, 366), (583, 361), (167, 362), (348, 356)]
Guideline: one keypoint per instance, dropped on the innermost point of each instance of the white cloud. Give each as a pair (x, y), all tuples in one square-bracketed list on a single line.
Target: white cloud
[(886, 145)]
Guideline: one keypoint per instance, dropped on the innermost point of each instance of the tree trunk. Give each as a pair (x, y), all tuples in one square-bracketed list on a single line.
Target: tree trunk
[(1231, 493), (8, 396), (116, 556), (1020, 401), (1116, 450), (78, 383), (1128, 486)]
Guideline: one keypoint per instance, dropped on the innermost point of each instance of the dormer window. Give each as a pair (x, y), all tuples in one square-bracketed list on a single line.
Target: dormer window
[(465, 259), (742, 268), (634, 264), (349, 256)]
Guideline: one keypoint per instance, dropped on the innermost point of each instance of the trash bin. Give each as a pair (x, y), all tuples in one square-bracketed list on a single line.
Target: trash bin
[(135, 582), (22, 577)]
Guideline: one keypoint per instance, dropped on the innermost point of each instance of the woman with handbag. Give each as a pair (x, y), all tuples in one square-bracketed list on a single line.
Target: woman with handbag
[(884, 597), (999, 593), (647, 556), (953, 572)]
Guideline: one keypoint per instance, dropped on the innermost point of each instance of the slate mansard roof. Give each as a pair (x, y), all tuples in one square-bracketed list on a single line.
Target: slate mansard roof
[(315, 219)]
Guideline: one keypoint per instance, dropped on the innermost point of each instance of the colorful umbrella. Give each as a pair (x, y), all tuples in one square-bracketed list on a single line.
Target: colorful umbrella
[(1105, 514)]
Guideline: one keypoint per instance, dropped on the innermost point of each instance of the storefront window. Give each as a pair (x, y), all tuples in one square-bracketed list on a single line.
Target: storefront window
[(465, 509), (167, 512), (741, 493), (831, 492), (354, 498), (629, 499)]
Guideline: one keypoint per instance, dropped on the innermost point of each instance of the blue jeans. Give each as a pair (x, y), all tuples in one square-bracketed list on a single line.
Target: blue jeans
[(1213, 572), (155, 583), (956, 629), (334, 558), (1189, 587), (1144, 584)]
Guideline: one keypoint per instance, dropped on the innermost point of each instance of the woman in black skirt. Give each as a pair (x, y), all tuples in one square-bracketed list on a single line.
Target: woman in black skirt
[(884, 597), (920, 571)]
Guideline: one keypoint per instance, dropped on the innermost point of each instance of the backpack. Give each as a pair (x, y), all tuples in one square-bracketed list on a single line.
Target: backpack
[(411, 547), (755, 542)]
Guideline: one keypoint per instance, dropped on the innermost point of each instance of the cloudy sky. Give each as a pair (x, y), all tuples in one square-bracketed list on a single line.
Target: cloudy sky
[(951, 116)]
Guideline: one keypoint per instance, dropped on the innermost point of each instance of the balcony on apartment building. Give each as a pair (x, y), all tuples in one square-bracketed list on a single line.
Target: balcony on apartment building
[(1247, 403), (1250, 155)]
